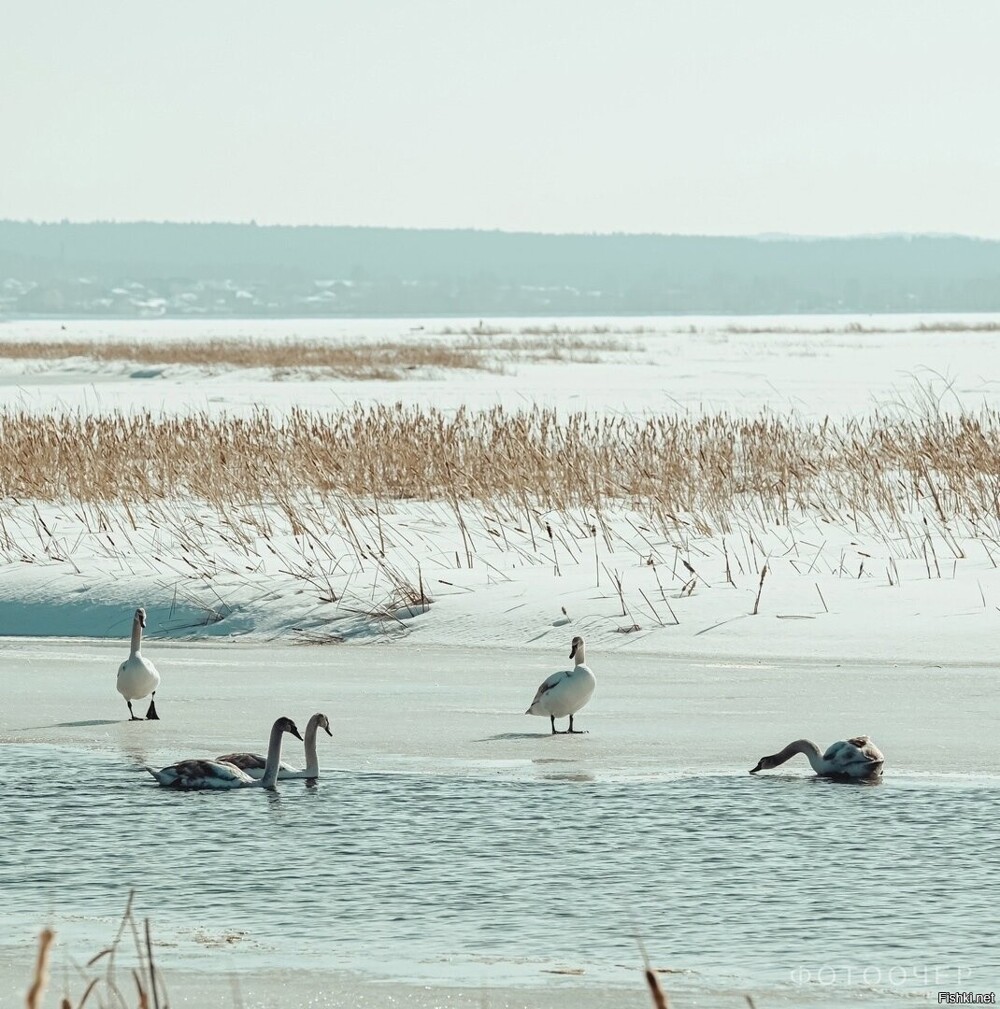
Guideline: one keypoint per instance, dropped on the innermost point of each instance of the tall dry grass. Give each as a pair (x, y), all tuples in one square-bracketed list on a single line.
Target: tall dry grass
[(703, 468), (471, 349), (359, 360), (222, 507), (929, 326)]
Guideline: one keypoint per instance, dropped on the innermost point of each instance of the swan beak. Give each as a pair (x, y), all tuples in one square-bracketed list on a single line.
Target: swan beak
[(295, 732), (327, 728), (759, 767), (142, 619)]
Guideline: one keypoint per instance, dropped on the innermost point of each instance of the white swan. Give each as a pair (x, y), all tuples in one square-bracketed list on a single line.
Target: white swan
[(254, 764), (207, 774), (566, 692), (849, 759), (137, 676)]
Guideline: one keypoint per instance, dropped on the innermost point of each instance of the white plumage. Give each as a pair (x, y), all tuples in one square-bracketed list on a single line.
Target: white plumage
[(566, 692), (137, 676)]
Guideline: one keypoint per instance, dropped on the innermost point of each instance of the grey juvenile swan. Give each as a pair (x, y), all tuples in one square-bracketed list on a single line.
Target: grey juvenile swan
[(214, 774), (254, 764), (848, 760)]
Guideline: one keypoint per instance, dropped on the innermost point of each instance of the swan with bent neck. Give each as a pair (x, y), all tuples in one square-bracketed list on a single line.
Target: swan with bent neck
[(566, 692), (216, 774), (853, 759), (137, 676), (254, 764)]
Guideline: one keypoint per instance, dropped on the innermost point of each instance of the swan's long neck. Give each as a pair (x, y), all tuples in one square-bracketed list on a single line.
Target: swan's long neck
[(806, 747), (273, 762), (581, 655), (136, 636), (312, 761)]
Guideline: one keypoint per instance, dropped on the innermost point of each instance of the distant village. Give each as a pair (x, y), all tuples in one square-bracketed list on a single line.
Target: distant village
[(150, 270)]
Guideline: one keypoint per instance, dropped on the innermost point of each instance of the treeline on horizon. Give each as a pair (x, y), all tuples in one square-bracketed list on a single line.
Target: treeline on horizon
[(410, 271)]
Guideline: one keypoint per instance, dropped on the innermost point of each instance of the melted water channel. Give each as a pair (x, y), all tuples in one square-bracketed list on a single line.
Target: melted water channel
[(731, 881)]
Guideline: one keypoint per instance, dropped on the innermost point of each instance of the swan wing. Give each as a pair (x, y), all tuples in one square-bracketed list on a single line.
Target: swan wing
[(137, 677), (254, 764), (548, 684), (201, 774), (865, 743), (244, 761), (856, 757)]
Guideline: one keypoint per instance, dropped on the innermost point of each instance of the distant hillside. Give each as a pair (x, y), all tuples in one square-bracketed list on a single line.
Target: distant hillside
[(239, 269)]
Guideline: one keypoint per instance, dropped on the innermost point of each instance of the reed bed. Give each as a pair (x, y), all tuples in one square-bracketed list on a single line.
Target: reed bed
[(336, 526), (705, 468), (547, 330), (359, 360), (476, 350), (933, 326)]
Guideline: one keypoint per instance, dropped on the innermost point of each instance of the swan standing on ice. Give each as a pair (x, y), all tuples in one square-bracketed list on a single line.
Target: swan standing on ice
[(211, 774), (566, 692), (138, 676), (849, 759), (254, 764)]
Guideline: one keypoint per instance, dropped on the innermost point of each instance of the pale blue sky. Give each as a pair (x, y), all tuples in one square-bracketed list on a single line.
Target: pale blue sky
[(705, 116)]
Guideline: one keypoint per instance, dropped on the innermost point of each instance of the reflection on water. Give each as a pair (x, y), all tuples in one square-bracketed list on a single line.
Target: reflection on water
[(742, 881)]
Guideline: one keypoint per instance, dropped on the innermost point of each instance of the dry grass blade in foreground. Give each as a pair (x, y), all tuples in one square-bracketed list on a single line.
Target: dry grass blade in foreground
[(150, 993)]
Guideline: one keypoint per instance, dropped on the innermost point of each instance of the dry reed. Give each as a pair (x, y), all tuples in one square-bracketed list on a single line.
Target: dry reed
[(149, 985), (479, 350), (360, 360), (933, 326), (368, 509), (700, 469)]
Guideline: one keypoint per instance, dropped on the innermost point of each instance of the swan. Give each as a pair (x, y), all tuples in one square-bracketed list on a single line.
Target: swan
[(207, 774), (566, 692), (849, 759), (254, 764), (137, 676)]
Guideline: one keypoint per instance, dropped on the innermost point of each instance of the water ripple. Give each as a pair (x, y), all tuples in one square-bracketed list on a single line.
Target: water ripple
[(727, 876)]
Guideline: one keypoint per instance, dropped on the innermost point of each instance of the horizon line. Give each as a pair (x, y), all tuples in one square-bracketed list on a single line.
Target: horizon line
[(764, 236)]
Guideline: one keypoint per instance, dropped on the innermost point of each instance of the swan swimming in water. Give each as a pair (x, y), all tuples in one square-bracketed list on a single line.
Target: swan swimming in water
[(254, 764), (566, 692), (137, 676), (210, 774), (848, 760), (214, 774)]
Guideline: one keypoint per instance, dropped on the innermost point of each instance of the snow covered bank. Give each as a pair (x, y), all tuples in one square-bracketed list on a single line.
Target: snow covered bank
[(840, 582), (819, 589)]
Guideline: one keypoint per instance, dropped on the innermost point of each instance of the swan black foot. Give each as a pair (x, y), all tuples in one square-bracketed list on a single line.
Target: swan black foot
[(555, 731), (151, 715), (132, 717), (576, 732)]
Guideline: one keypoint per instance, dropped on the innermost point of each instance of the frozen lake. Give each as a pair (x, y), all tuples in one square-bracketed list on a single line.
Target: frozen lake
[(453, 853), (453, 844)]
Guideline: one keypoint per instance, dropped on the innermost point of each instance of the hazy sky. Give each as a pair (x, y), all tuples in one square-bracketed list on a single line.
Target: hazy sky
[(704, 116)]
